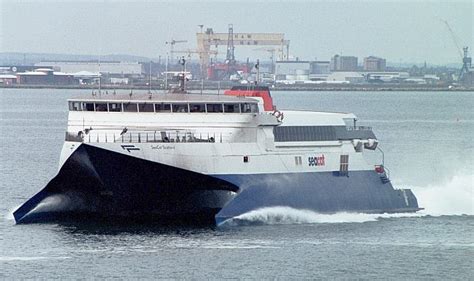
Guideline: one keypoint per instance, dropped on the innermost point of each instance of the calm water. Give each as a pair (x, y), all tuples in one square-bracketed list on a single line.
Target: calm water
[(427, 139)]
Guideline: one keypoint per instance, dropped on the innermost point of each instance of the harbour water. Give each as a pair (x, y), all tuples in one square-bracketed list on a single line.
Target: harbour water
[(427, 140)]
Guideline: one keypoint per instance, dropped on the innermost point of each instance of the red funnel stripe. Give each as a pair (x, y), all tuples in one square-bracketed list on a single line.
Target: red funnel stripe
[(262, 92)]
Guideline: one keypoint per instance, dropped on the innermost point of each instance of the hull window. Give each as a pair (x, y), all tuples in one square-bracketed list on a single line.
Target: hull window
[(344, 167), (298, 161)]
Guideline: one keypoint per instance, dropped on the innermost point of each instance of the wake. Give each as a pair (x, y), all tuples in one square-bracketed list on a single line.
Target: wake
[(451, 198)]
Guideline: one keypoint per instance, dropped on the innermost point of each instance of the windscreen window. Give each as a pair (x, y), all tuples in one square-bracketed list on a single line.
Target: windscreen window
[(197, 107), (231, 108), (162, 107), (115, 107), (100, 106), (249, 108), (130, 107), (88, 106), (180, 107), (214, 108), (145, 107), (74, 106)]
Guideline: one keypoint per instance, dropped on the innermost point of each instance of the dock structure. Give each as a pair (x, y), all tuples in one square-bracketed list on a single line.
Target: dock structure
[(208, 38)]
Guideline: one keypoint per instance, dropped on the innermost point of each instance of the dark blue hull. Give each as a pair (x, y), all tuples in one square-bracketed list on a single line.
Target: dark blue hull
[(98, 182)]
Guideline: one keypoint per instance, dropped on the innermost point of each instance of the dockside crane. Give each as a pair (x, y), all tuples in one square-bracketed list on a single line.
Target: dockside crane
[(464, 54), (272, 52), (173, 42)]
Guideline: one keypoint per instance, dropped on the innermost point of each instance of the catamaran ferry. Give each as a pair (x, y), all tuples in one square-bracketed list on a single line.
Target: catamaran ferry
[(181, 155)]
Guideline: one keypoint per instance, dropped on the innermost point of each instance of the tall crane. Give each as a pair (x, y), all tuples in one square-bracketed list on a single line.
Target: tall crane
[(199, 53), (464, 55), (173, 42), (272, 52)]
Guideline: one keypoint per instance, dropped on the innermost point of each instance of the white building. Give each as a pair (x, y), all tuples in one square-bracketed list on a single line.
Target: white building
[(105, 67)]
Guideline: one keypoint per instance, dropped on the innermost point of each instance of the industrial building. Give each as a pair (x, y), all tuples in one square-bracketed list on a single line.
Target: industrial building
[(7, 79), (372, 63), (112, 68), (349, 77), (344, 63), (292, 70), (45, 76)]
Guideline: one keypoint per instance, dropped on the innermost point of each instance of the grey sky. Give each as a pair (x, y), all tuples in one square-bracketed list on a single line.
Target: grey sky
[(401, 31)]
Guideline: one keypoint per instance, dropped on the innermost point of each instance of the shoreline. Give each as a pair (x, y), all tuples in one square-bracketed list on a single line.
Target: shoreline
[(312, 88)]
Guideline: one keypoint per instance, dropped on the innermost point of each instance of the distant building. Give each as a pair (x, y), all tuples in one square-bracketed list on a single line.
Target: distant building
[(7, 79), (112, 68), (344, 63), (292, 70), (349, 77), (386, 77), (374, 64), (45, 76), (320, 67)]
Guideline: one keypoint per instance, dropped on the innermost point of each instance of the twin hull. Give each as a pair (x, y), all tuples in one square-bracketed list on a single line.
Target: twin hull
[(209, 181)]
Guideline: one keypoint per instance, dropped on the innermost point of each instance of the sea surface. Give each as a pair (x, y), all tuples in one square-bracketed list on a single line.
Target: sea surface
[(428, 142)]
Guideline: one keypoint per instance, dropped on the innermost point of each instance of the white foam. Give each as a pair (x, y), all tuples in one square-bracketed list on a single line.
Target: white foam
[(52, 203), (454, 196), (451, 197), (9, 216), (287, 215)]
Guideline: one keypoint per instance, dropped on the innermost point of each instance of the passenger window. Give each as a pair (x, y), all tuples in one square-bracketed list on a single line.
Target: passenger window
[(88, 106), (253, 107), (246, 107), (214, 108), (231, 108), (100, 106), (162, 107), (197, 107), (145, 107), (75, 106), (130, 107), (180, 107), (115, 107)]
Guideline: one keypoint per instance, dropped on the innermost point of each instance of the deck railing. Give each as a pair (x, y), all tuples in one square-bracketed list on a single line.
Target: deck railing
[(149, 137)]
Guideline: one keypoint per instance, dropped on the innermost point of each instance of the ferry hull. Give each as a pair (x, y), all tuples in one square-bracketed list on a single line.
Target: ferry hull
[(95, 181)]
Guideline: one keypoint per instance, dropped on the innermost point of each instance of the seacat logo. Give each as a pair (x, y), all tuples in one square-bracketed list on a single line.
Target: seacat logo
[(316, 161)]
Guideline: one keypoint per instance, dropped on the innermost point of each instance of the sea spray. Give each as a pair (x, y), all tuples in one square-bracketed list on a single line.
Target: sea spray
[(288, 215), (452, 197), (53, 203), (9, 216)]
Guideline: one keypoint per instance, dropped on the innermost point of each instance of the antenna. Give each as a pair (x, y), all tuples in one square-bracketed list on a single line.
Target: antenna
[(257, 66), (100, 80), (149, 82), (182, 61)]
